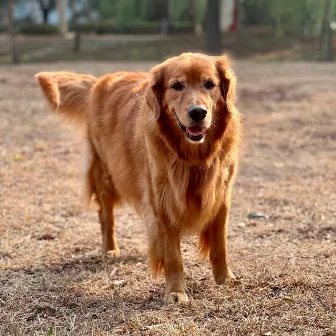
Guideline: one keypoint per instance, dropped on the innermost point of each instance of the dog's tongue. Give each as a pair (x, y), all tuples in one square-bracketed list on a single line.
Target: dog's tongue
[(195, 130)]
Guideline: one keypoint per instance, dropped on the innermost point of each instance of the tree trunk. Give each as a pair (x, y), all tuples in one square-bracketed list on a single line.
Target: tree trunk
[(45, 15), (278, 21), (45, 10), (212, 27), (326, 41), (165, 24), (235, 23), (192, 14), (11, 34), (62, 20), (329, 42)]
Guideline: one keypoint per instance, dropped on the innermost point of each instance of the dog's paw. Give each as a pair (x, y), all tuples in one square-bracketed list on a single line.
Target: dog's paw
[(112, 253), (227, 276), (176, 298)]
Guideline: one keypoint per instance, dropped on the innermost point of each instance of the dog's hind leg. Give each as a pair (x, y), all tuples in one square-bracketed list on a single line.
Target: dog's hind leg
[(99, 183), (106, 218)]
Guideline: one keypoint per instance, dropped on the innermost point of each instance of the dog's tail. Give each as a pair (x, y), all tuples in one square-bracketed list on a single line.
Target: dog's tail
[(67, 93)]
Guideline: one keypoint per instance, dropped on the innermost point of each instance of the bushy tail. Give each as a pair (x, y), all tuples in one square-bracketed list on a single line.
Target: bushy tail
[(67, 93)]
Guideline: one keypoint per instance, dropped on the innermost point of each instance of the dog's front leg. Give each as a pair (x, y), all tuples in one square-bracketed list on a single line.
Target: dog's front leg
[(175, 287), (215, 237), (164, 249)]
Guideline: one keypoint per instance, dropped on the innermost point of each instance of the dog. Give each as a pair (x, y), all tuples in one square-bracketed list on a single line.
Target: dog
[(167, 143)]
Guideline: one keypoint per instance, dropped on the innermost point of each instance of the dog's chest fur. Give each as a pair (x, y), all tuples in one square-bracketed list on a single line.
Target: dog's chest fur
[(190, 196)]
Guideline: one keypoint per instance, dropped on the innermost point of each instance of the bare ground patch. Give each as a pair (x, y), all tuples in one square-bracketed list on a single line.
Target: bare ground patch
[(52, 274)]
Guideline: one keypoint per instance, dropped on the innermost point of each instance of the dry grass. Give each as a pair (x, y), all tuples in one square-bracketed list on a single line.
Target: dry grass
[(53, 276)]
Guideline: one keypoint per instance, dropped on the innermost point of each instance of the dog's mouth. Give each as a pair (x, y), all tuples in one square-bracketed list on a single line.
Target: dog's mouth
[(194, 133)]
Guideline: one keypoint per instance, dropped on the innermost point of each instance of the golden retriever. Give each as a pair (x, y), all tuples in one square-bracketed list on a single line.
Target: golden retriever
[(167, 143)]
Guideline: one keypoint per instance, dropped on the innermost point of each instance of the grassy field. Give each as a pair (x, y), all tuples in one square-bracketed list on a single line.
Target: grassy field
[(54, 281)]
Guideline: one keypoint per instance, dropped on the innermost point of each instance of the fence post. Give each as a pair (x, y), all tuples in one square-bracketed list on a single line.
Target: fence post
[(77, 41)]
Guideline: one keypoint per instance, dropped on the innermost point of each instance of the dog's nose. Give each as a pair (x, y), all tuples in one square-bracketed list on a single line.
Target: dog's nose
[(197, 113)]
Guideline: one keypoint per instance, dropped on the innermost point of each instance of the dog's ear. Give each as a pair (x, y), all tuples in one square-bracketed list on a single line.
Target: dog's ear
[(227, 79), (155, 91)]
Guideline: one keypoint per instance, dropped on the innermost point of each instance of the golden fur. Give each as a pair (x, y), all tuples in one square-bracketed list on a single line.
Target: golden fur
[(138, 151)]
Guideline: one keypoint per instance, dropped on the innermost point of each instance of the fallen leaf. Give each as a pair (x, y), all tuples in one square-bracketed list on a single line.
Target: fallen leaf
[(288, 299), (18, 157), (268, 333), (40, 145), (257, 215)]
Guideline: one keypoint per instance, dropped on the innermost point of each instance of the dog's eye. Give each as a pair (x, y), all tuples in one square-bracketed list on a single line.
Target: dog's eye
[(209, 85), (177, 86)]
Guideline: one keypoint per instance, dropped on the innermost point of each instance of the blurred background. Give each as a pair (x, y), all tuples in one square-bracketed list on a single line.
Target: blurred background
[(59, 30)]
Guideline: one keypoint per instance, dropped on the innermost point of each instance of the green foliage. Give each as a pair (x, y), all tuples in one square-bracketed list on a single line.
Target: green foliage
[(123, 11), (38, 29), (289, 18), (200, 6), (84, 27), (108, 27), (158, 10), (181, 28), (298, 18), (257, 12), (126, 11), (178, 10), (107, 9), (143, 8)]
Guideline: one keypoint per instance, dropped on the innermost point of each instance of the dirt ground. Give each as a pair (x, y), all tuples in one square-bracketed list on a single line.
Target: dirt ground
[(54, 281)]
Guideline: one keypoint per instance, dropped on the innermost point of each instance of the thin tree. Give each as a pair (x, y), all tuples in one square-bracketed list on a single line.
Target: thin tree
[(235, 25), (76, 13), (11, 33), (62, 20), (326, 42), (212, 27), (192, 13), (164, 17), (46, 6)]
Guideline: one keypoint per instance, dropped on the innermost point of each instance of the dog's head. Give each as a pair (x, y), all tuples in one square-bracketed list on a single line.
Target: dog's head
[(191, 96)]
